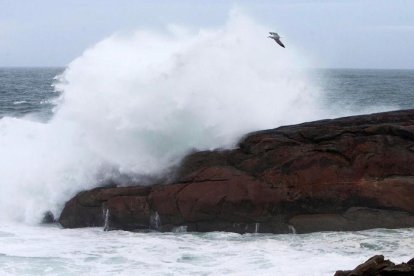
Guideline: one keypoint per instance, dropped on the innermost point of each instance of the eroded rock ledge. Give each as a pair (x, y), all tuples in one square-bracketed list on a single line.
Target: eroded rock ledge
[(378, 266), (350, 173)]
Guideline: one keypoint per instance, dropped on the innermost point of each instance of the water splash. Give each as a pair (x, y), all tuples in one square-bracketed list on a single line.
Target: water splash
[(180, 229), (106, 219), (256, 227), (136, 104), (155, 221), (292, 229)]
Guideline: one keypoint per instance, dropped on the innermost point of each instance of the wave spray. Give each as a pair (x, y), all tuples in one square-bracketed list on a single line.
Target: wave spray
[(135, 104)]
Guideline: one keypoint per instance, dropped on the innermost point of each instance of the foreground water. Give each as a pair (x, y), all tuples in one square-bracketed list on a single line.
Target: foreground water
[(41, 250), (50, 250)]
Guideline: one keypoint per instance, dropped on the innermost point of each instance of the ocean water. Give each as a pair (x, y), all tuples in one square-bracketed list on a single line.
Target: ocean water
[(356, 91), (27, 91), (49, 250), (135, 104)]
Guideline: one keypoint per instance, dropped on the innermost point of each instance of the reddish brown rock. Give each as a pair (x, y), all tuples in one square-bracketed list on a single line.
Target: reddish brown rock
[(378, 266), (350, 173), (128, 212)]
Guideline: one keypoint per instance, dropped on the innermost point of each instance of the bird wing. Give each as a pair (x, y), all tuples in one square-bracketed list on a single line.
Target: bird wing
[(279, 42), (275, 35)]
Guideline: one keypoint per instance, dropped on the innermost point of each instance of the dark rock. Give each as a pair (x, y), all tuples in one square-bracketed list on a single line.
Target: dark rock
[(350, 173), (128, 212), (88, 209), (342, 272), (48, 217), (76, 215), (353, 219), (379, 267)]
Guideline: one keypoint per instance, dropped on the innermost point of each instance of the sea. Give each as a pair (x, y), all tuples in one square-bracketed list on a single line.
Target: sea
[(133, 105), (32, 248)]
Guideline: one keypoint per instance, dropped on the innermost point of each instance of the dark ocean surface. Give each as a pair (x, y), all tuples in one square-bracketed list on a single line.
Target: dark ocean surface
[(26, 91)]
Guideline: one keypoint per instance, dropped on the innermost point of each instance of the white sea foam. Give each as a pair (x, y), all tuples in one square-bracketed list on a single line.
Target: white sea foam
[(137, 103), (28, 250), (19, 102)]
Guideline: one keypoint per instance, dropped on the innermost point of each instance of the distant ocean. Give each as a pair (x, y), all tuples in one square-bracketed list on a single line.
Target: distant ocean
[(35, 249), (25, 91)]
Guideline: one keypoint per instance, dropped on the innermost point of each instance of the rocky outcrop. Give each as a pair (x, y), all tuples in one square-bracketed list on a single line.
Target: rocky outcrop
[(379, 267), (351, 173)]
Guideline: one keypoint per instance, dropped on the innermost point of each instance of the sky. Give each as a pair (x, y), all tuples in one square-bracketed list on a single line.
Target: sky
[(332, 33)]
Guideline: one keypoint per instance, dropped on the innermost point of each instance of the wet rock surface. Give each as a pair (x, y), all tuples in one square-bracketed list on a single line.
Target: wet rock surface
[(378, 266), (350, 173)]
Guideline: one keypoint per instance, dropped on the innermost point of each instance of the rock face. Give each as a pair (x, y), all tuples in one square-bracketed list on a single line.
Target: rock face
[(351, 173), (379, 267)]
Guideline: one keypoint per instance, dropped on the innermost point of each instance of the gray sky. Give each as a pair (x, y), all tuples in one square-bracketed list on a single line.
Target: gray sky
[(341, 33)]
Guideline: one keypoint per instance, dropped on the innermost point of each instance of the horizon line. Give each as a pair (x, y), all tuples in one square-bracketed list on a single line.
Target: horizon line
[(339, 68)]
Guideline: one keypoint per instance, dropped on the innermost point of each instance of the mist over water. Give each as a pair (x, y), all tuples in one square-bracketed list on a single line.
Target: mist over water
[(137, 103)]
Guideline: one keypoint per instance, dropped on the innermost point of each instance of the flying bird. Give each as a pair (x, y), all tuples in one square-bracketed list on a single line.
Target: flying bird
[(276, 38)]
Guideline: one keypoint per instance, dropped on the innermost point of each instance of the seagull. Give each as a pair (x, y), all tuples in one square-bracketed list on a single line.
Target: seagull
[(276, 38)]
